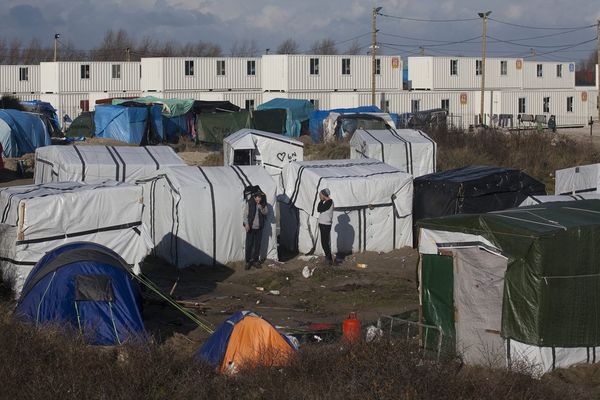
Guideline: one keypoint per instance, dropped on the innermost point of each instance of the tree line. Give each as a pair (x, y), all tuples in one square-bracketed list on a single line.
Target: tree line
[(121, 46)]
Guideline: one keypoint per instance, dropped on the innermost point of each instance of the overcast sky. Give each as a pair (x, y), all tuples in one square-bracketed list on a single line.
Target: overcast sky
[(84, 22)]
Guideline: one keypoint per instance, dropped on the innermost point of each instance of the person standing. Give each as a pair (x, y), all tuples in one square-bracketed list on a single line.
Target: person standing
[(255, 211), (325, 209)]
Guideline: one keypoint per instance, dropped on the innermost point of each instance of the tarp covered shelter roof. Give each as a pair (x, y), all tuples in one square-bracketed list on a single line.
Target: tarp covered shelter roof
[(472, 189), (170, 107), (82, 126), (129, 124), (317, 117), (297, 112), (551, 295), (214, 127), (46, 109), (22, 132)]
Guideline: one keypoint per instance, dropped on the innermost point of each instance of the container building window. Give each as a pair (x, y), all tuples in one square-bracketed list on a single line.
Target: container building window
[(189, 67), (453, 67), (85, 71), (546, 104), (478, 67), (503, 68), (540, 70), (345, 66), (415, 106), (221, 67), (251, 67), (522, 105), (249, 105), (446, 104), (570, 104), (559, 70), (116, 71), (378, 66), (314, 66), (24, 74)]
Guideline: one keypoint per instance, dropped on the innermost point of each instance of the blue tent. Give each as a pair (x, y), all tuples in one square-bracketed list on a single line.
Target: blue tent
[(21, 133), (297, 111), (44, 108), (315, 124), (129, 124), (87, 286)]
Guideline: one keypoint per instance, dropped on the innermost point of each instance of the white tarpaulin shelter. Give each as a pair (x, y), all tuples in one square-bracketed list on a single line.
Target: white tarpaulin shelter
[(194, 214), (343, 125), (92, 163), (38, 218), (409, 150), (253, 147), (577, 180), (372, 206), (533, 200)]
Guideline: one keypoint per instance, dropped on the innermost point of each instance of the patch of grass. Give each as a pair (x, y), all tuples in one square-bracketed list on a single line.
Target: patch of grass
[(537, 153), (327, 151), (214, 159)]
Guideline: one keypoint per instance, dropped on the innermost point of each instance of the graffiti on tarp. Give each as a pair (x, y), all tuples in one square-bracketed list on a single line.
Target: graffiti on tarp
[(290, 157)]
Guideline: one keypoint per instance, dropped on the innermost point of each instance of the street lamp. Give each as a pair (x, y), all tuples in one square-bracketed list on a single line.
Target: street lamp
[(484, 16)]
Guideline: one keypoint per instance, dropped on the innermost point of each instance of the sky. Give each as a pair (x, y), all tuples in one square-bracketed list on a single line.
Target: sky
[(268, 23)]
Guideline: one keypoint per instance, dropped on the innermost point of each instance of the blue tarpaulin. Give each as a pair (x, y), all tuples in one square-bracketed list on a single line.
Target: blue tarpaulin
[(297, 112), (128, 124), (42, 107), (316, 118), (21, 133)]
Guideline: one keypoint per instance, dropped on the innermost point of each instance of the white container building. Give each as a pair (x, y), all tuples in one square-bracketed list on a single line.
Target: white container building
[(177, 74), (548, 75), (89, 76), (20, 79), (314, 73)]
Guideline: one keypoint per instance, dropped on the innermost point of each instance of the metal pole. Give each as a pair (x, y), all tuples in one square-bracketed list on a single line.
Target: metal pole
[(128, 53), (598, 74), (374, 53), (533, 53), (483, 15), (422, 50), (56, 36)]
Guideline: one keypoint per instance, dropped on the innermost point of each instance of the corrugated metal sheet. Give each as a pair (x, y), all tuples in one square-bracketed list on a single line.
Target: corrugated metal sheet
[(69, 104), (67, 77), (152, 78), (549, 79), (293, 73), (204, 75), (12, 78)]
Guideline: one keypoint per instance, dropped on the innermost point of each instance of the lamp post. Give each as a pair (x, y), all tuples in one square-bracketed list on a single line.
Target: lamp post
[(374, 53), (484, 16)]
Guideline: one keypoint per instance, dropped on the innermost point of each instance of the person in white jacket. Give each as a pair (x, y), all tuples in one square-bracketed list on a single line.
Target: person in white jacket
[(325, 209)]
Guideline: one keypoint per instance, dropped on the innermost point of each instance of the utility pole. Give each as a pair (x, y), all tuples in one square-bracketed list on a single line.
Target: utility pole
[(374, 53), (128, 54), (484, 16), (533, 53), (56, 37), (598, 66), (421, 50)]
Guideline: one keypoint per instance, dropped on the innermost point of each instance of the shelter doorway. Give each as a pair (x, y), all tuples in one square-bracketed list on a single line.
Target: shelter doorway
[(244, 157)]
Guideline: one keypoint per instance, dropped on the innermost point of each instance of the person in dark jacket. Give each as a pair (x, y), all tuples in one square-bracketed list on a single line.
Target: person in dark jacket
[(254, 213), (325, 209)]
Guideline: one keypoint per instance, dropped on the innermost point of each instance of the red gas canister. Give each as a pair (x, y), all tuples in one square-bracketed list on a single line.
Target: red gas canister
[(351, 328)]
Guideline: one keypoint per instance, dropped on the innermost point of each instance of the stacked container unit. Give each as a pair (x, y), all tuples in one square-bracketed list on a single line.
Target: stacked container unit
[(22, 81), (329, 73), (179, 74), (548, 75), (463, 73), (67, 85)]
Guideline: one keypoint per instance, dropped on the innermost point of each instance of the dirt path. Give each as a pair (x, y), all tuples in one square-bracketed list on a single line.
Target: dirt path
[(386, 286)]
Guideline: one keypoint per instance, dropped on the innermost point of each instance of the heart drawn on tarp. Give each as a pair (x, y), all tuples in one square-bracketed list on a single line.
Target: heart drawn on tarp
[(281, 156)]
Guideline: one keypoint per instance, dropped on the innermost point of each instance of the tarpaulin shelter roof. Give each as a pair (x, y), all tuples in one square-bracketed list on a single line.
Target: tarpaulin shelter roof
[(82, 126), (44, 108), (170, 107), (551, 295), (317, 117), (214, 127), (87, 286), (472, 189), (297, 112), (22, 132), (134, 125)]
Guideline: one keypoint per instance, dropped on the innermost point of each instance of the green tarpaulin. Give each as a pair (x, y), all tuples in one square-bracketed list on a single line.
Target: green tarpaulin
[(269, 120), (438, 301), (212, 128), (552, 283), (171, 107), (82, 126)]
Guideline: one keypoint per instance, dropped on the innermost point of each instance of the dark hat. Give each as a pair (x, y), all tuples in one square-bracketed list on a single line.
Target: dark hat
[(325, 192)]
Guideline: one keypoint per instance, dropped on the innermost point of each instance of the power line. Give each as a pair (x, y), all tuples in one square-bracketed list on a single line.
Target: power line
[(548, 35), (532, 45), (564, 48), (427, 20), (540, 27)]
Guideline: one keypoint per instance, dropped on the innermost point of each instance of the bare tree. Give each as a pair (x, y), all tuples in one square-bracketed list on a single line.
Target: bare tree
[(245, 48), (354, 48), (288, 46), (14, 52), (325, 46), (3, 50), (113, 46)]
